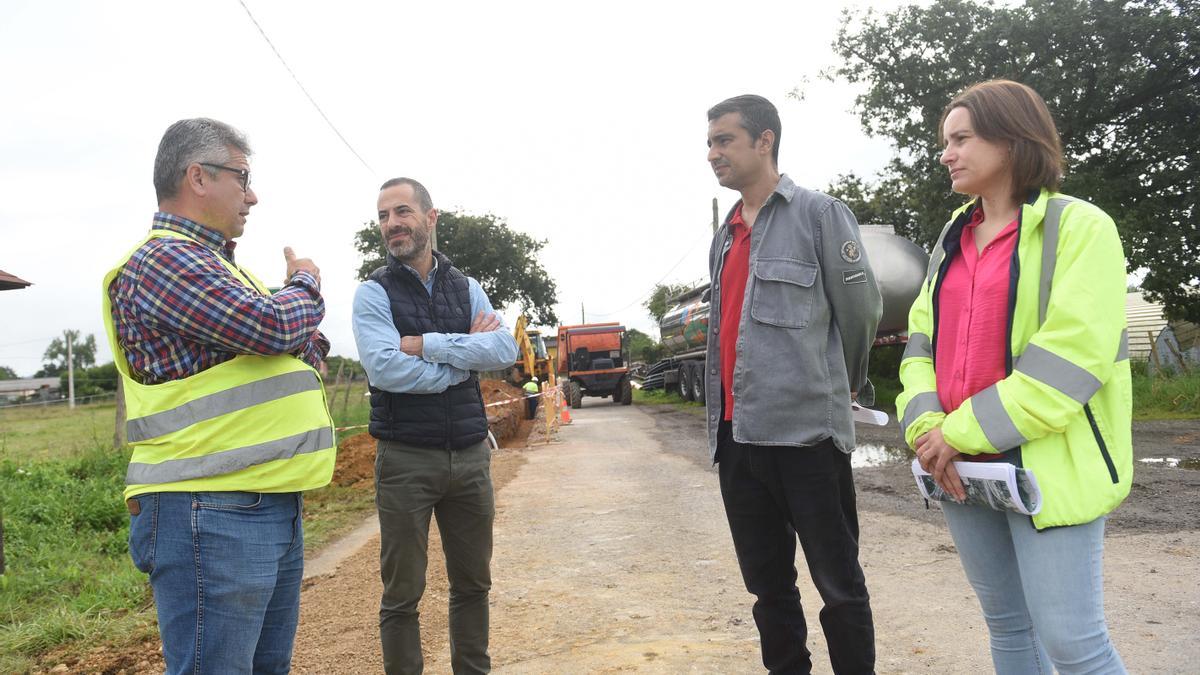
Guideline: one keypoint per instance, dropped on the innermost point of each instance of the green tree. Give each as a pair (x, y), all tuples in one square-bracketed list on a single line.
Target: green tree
[(347, 365), (660, 299), (7, 373), (91, 381), (83, 353), (1121, 78), (502, 260), (642, 347)]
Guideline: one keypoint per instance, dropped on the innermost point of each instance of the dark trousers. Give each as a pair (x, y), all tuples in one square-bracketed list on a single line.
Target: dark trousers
[(772, 495), (455, 486)]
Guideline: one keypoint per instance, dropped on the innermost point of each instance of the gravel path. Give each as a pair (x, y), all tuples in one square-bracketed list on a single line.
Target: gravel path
[(613, 555)]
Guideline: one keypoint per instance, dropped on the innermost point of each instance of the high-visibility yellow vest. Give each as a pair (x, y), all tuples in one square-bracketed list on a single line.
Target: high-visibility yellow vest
[(253, 423), (1067, 402)]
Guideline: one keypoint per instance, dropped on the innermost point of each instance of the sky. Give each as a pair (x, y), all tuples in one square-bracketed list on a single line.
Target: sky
[(582, 124)]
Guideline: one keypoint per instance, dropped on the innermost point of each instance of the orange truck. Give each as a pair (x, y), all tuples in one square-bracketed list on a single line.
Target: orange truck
[(593, 360)]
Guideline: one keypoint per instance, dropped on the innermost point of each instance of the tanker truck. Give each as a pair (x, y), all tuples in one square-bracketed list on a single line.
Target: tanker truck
[(899, 266)]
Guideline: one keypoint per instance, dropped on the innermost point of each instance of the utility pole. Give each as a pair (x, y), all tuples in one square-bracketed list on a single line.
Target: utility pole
[(582, 315), (715, 215), (70, 368)]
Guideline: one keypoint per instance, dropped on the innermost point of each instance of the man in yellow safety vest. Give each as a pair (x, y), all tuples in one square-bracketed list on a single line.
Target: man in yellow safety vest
[(227, 417)]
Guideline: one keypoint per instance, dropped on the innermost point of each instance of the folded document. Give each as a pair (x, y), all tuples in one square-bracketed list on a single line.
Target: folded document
[(867, 415), (997, 485)]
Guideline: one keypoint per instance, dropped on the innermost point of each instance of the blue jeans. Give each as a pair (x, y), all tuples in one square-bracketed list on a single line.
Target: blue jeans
[(1042, 593), (226, 570)]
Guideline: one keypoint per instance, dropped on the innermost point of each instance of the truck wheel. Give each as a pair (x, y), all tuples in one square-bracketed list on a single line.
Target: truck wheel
[(698, 382), (685, 380), (576, 395), (626, 393)]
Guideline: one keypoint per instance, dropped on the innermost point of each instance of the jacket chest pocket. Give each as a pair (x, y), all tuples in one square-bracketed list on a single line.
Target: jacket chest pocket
[(783, 292)]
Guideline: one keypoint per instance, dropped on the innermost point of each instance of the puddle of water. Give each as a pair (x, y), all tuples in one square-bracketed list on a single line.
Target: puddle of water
[(1173, 462), (865, 456)]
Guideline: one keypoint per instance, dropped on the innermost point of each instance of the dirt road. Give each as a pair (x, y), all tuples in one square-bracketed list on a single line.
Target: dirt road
[(613, 555)]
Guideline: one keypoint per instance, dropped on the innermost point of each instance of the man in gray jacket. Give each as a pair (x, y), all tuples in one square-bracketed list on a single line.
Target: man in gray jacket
[(793, 316)]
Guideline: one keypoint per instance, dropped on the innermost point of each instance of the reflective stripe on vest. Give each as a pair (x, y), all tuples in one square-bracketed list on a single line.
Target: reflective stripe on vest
[(918, 347), (220, 403), (228, 461), (919, 405), (994, 420), (1053, 370)]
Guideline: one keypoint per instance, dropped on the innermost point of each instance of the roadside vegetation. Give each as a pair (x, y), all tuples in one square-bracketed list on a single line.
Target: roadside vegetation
[(665, 397), (1165, 397), (69, 584)]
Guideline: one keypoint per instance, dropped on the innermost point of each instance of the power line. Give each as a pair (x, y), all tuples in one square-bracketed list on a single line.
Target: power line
[(306, 94), (647, 293), (25, 342)]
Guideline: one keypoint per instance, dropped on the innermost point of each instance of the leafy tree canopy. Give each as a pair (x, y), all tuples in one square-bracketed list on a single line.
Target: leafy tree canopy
[(92, 381), (659, 301), (1122, 80), (347, 365), (502, 260), (83, 353), (7, 373), (642, 347)]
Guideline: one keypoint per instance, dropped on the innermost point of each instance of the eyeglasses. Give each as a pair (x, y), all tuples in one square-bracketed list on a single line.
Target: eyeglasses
[(242, 174)]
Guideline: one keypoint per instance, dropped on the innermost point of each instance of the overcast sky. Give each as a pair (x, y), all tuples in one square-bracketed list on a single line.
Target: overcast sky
[(580, 123)]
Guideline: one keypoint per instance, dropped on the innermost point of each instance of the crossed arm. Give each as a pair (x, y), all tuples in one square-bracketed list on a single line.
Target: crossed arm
[(432, 362)]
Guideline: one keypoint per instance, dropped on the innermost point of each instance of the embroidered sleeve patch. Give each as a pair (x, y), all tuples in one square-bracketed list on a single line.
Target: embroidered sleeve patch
[(851, 252), (858, 276)]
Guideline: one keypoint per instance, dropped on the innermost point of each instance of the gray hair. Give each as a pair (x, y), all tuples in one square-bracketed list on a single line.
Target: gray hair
[(419, 191), (187, 142)]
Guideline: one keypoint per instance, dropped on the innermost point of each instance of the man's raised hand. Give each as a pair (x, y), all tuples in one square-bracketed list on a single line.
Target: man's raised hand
[(295, 264)]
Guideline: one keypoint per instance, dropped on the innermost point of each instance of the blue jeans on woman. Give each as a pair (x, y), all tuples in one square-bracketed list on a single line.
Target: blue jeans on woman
[(1042, 593), (226, 570)]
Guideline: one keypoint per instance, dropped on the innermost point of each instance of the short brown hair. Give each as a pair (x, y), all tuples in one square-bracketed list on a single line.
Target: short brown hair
[(419, 191), (1003, 111)]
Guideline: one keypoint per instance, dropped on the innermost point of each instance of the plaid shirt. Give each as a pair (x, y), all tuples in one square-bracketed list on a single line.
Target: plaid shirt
[(179, 311)]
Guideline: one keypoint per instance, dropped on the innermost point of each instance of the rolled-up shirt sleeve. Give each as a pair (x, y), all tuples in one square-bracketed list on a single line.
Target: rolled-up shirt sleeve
[(378, 343)]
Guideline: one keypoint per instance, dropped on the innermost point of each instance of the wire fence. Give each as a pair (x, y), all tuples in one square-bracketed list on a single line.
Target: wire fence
[(61, 401)]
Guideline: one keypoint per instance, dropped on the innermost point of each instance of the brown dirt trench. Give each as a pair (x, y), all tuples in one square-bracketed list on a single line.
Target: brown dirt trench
[(612, 554)]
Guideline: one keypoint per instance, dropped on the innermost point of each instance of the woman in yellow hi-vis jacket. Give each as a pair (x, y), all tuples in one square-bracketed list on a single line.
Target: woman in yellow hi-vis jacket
[(1017, 353)]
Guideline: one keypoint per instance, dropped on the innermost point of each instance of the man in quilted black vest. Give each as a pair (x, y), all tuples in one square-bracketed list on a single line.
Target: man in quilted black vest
[(423, 328)]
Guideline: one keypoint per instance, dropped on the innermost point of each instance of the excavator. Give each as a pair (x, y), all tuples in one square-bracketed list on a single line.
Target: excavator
[(533, 359)]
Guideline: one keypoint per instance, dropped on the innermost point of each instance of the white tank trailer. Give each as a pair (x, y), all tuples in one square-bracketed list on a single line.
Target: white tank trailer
[(899, 266)]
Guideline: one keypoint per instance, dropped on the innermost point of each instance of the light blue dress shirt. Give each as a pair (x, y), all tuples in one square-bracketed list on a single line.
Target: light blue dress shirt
[(446, 358)]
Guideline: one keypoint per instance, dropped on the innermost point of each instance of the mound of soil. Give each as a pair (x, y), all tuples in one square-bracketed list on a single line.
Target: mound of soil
[(503, 419), (356, 462), (356, 455)]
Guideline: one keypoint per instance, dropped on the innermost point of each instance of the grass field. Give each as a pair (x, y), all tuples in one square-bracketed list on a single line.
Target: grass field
[(69, 583)]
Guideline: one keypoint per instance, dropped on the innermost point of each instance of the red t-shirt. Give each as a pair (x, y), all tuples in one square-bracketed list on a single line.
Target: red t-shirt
[(734, 274), (973, 316)]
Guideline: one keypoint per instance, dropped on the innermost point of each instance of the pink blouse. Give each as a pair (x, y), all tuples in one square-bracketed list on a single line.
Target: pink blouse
[(973, 316)]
